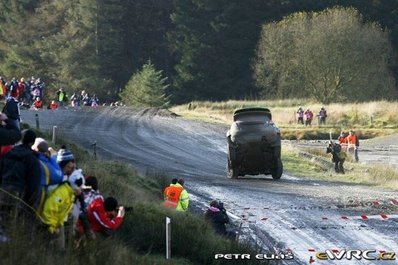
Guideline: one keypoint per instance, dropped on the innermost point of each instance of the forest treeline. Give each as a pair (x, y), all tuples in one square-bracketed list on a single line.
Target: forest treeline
[(205, 49)]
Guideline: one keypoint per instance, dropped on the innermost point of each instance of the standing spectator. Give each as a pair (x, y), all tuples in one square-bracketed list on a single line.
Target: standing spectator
[(176, 197), (171, 196), (183, 201), (105, 216), (308, 117), (21, 174), (38, 104), (300, 115), (11, 109), (3, 88), (322, 116), (343, 140), (353, 144), (21, 90), (36, 92), (62, 97), (13, 88), (75, 100), (338, 157), (9, 133)]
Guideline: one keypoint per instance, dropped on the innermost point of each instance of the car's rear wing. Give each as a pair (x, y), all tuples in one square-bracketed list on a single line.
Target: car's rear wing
[(249, 111)]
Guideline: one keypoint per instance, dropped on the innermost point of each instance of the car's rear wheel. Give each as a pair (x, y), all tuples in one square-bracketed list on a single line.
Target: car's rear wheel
[(232, 172), (276, 172)]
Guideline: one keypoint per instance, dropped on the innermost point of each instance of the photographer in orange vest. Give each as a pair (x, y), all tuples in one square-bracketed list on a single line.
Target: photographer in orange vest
[(175, 196)]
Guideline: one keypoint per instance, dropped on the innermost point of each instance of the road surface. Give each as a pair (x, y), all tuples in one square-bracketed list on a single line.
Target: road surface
[(305, 216)]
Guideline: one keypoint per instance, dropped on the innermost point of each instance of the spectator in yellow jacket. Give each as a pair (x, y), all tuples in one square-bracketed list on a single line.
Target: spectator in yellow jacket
[(183, 202)]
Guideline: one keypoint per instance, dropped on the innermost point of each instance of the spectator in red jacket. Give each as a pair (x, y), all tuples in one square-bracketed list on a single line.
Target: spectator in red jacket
[(38, 104), (53, 105), (105, 216)]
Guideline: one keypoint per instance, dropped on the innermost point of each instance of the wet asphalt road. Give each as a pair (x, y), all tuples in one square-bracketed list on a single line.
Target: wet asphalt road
[(293, 213)]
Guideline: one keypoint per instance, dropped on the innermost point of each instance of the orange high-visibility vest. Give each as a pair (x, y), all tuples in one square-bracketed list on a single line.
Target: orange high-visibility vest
[(172, 196), (351, 140)]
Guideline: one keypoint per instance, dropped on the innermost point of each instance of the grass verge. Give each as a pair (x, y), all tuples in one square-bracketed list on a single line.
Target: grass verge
[(141, 238)]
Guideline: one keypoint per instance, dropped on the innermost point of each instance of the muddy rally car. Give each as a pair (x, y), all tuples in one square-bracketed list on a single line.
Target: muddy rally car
[(254, 144)]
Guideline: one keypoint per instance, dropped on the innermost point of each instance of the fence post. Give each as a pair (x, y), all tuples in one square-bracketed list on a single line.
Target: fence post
[(54, 134), (168, 237), (94, 150), (37, 121)]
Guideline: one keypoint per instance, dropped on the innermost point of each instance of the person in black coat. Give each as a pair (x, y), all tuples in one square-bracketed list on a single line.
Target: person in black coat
[(9, 132), (218, 217), (21, 173)]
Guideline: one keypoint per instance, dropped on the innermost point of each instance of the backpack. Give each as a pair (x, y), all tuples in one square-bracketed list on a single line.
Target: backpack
[(336, 148)]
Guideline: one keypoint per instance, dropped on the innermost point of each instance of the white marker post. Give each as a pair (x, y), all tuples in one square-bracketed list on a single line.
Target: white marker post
[(168, 237), (330, 135), (54, 134)]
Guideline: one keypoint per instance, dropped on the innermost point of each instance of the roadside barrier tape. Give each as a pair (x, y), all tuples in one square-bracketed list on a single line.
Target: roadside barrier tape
[(363, 217), (394, 201)]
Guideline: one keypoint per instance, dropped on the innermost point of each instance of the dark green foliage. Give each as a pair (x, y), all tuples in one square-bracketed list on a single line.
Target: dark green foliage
[(146, 88), (204, 47)]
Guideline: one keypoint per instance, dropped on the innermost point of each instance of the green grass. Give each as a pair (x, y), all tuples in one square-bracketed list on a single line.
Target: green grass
[(369, 119), (140, 239), (319, 166)]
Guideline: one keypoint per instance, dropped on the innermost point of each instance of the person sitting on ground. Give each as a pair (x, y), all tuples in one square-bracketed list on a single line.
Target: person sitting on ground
[(38, 104), (51, 173), (105, 216), (218, 217), (338, 156), (53, 105)]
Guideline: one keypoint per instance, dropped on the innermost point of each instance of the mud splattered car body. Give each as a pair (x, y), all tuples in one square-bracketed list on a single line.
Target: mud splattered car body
[(254, 144)]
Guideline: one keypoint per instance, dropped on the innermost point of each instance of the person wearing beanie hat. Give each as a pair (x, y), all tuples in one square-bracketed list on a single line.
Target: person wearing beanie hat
[(66, 161), (105, 216)]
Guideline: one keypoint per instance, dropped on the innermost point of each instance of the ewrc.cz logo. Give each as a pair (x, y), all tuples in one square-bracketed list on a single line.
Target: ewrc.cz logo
[(370, 254), (268, 256)]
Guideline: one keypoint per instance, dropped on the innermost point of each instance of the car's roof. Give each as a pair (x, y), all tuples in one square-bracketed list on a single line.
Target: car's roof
[(257, 109), (249, 111)]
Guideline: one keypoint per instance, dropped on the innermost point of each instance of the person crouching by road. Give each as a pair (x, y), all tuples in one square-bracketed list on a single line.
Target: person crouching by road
[(176, 197), (105, 216), (338, 156), (218, 217)]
